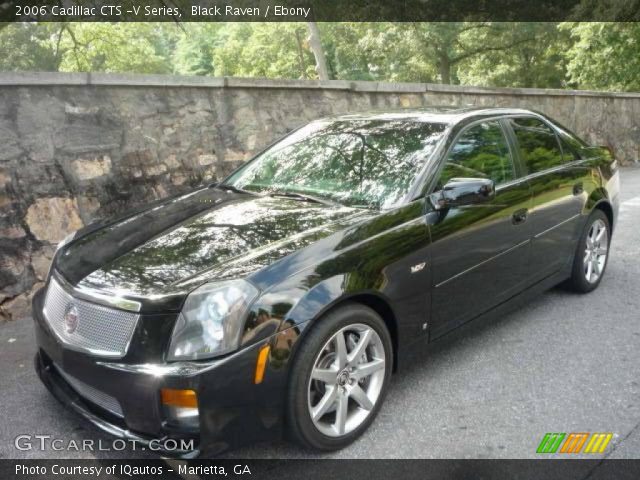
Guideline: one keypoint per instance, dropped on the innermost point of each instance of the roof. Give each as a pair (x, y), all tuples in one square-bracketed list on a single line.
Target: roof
[(436, 114)]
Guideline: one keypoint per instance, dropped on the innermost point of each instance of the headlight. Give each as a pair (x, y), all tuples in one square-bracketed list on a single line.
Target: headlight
[(211, 321)]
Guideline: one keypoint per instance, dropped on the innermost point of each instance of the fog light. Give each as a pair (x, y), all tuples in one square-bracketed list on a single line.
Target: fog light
[(180, 407)]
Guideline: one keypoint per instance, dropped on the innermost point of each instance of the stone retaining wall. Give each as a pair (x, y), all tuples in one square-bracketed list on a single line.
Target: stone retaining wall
[(76, 147)]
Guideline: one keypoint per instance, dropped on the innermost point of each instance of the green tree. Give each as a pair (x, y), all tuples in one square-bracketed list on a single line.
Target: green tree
[(575, 55), (119, 47), (450, 44), (273, 50), (421, 52), (195, 48), (535, 57), (377, 51), (31, 46), (604, 55)]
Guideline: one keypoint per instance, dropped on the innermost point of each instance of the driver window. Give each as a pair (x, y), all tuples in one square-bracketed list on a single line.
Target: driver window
[(480, 152)]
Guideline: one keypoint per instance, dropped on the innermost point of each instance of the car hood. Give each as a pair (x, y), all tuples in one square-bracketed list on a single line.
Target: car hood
[(165, 249)]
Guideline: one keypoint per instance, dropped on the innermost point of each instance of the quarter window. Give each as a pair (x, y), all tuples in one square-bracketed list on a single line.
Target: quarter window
[(539, 146), (480, 152)]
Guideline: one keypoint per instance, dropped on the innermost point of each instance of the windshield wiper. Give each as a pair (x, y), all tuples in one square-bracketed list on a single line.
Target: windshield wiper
[(302, 196), (231, 188), (276, 193)]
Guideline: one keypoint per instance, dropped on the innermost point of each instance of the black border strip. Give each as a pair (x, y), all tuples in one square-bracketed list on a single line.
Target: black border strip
[(548, 469)]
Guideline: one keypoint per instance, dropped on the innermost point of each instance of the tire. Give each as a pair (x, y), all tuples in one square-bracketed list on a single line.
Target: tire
[(590, 259), (338, 376)]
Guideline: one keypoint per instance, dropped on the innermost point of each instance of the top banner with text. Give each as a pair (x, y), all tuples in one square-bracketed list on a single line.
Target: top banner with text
[(319, 10)]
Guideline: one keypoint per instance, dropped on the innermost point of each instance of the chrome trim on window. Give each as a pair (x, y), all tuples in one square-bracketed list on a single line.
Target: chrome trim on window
[(557, 168)]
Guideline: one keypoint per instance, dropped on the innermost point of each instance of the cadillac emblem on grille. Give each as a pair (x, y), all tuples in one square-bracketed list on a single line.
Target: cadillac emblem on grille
[(71, 319)]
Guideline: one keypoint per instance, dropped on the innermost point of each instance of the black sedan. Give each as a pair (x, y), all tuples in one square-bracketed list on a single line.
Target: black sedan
[(280, 301)]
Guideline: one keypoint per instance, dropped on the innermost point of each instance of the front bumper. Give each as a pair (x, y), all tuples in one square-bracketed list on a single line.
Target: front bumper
[(233, 411), (109, 424)]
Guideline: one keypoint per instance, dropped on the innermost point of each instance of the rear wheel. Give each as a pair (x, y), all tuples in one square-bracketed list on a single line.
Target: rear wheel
[(339, 378), (592, 254)]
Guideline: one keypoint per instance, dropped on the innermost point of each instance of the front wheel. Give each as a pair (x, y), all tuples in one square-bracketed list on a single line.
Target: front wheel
[(592, 254), (339, 378)]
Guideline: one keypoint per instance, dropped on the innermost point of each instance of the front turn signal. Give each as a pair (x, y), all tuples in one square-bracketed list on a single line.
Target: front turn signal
[(180, 407), (261, 364), (179, 398)]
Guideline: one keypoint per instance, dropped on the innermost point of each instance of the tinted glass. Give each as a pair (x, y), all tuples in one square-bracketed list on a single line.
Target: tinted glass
[(573, 147), (480, 152), (539, 146), (368, 163)]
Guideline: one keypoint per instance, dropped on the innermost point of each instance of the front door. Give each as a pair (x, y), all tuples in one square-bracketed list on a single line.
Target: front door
[(480, 252)]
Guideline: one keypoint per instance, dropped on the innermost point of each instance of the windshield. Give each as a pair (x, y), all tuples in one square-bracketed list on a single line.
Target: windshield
[(362, 163)]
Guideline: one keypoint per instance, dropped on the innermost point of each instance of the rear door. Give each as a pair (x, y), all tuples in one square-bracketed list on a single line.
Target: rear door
[(480, 252), (559, 180)]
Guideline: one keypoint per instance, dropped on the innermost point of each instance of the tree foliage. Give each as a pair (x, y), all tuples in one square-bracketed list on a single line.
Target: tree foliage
[(545, 55), (536, 57), (604, 55), (30, 46), (264, 50), (88, 47), (120, 47)]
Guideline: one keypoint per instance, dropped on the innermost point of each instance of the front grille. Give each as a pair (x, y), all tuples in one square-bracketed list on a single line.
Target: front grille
[(91, 394), (98, 330)]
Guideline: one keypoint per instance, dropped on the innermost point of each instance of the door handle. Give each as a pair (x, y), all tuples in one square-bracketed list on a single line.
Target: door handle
[(519, 216), (578, 188)]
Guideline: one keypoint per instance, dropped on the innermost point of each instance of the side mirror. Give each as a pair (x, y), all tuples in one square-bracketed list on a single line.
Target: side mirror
[(467, 191)]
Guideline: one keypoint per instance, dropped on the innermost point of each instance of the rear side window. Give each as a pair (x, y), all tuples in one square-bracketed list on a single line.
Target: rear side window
[(572, 146), (480, 152), (570, 149), (538, 144)]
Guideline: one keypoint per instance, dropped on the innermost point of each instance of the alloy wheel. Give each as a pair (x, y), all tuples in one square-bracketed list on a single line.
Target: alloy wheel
[(346, 380), (596, 251)]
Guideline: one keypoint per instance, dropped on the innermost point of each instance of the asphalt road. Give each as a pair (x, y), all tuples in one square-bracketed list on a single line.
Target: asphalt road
[(563, 363)]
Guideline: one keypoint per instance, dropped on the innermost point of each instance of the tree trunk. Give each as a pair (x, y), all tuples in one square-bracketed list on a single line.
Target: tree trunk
[(444, 69), (316, 48), (303, 72)]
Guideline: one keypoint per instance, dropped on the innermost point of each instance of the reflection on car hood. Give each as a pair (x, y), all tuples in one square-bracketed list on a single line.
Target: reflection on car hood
[(161, 248)]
